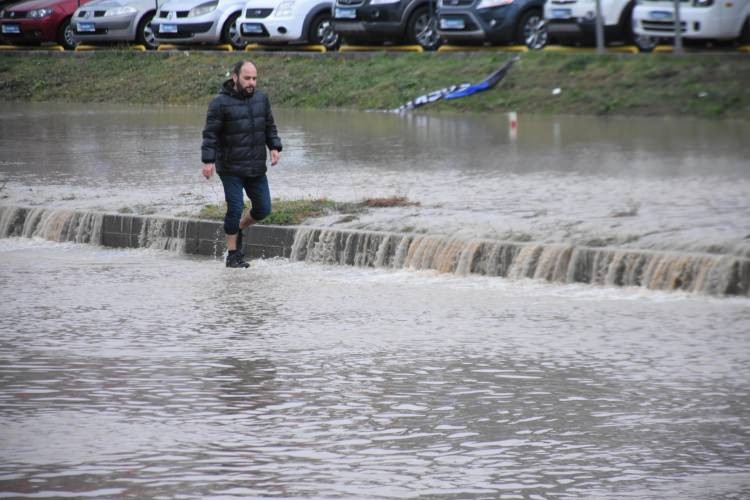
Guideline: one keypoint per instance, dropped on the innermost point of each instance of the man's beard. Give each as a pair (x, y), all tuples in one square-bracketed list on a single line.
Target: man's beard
[(248, 91)]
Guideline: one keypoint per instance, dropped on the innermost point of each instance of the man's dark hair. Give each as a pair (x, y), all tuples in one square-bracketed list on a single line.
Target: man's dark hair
[(238, 67)]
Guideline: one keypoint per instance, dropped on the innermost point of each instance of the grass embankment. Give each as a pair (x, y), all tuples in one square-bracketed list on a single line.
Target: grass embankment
[(700, 85), (295, 212)]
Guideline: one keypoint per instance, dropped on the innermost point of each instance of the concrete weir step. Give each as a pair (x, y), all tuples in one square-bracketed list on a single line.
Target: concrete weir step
[(190, 236), (704, 273)]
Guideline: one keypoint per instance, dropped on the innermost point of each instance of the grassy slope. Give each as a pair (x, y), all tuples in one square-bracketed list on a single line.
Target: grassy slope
[(656, 84)]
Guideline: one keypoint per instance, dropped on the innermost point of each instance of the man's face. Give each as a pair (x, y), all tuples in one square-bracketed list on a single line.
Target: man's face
[(245, 81)]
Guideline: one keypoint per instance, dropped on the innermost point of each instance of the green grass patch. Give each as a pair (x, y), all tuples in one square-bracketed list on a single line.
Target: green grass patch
[(653, 84), (295, 212)]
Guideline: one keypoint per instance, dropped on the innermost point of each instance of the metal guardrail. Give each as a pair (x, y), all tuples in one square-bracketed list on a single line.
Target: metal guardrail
[(483, 48), (88, 48), (628, 49), (168, 46), (56, 48), (381, 48), (255, 47)]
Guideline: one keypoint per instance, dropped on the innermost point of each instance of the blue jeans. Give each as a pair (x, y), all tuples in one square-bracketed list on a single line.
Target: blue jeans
[(258, 192)]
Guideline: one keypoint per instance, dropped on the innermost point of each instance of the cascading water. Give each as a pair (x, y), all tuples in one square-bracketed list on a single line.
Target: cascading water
[(57, 224), (693, 272), (156, 233), (702, 273), (51, 224)]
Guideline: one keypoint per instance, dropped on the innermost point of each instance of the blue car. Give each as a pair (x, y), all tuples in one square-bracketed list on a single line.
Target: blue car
[(493, 22)]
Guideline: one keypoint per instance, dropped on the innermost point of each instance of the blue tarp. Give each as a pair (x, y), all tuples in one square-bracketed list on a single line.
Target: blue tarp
[(458, 91)]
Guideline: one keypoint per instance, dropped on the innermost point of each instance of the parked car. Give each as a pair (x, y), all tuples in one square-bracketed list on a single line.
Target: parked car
[(7, 3), (288, 21), (116, 21), (574, 22), (377, 21), (199, 22), (699, 19), (492, 21), (38, 21)]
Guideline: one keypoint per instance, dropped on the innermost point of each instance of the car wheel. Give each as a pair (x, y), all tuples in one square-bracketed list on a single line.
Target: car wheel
[(65, 35), (230, 34), (321, 32), (145, 34), (422, 30), (532, 30), (645, 43)]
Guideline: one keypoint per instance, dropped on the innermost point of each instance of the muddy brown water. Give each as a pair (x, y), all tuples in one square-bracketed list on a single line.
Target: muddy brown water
[(150, 374)]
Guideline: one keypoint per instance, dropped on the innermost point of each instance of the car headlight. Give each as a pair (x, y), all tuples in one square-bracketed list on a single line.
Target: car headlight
[(488, 4), (39, 13), (203, 8), (120, 11), (382, 2), (284, 9)]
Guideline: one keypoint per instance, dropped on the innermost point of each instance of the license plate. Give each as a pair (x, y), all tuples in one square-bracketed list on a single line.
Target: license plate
[(252, 28), (11, 29), (660, 14), (561, 13), (448, 23), (167, 28), (344, 13), (86, 27)]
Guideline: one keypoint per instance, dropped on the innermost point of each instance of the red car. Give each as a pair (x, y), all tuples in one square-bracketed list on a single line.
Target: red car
[(36, 21)]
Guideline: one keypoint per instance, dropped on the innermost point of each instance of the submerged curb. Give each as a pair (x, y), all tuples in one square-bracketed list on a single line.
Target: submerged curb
[(563, 263), (192, 236)]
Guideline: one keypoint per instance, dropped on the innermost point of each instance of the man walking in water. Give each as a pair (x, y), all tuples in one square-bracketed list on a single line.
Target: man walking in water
[(239, 128)]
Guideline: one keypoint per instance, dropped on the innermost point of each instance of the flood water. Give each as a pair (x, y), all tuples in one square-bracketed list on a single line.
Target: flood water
[(645, 183), (149, 374), (140, 374)]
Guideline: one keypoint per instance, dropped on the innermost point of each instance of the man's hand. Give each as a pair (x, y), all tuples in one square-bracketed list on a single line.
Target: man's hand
[(275, 155), (208, 170)]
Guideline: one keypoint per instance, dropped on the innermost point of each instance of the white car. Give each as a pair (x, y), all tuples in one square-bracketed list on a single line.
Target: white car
[(115, 21), (574, 21), (198, 22), (700, 19), (288, 21)]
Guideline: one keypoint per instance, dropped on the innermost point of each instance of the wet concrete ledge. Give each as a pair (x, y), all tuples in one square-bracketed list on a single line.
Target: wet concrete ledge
[(192, 236), (692, 272)]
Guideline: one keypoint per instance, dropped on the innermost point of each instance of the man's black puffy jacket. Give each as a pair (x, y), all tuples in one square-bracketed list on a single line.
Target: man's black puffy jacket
[(238, 129)]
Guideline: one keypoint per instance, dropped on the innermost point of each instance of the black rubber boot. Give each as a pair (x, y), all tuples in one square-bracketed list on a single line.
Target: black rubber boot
[(236, 259)]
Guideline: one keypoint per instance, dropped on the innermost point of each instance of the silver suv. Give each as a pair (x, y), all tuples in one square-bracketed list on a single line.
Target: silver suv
[(199, 22), (115, 21)]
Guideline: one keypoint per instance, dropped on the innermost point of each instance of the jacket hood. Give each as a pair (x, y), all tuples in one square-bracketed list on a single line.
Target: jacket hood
[(228, 88)]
